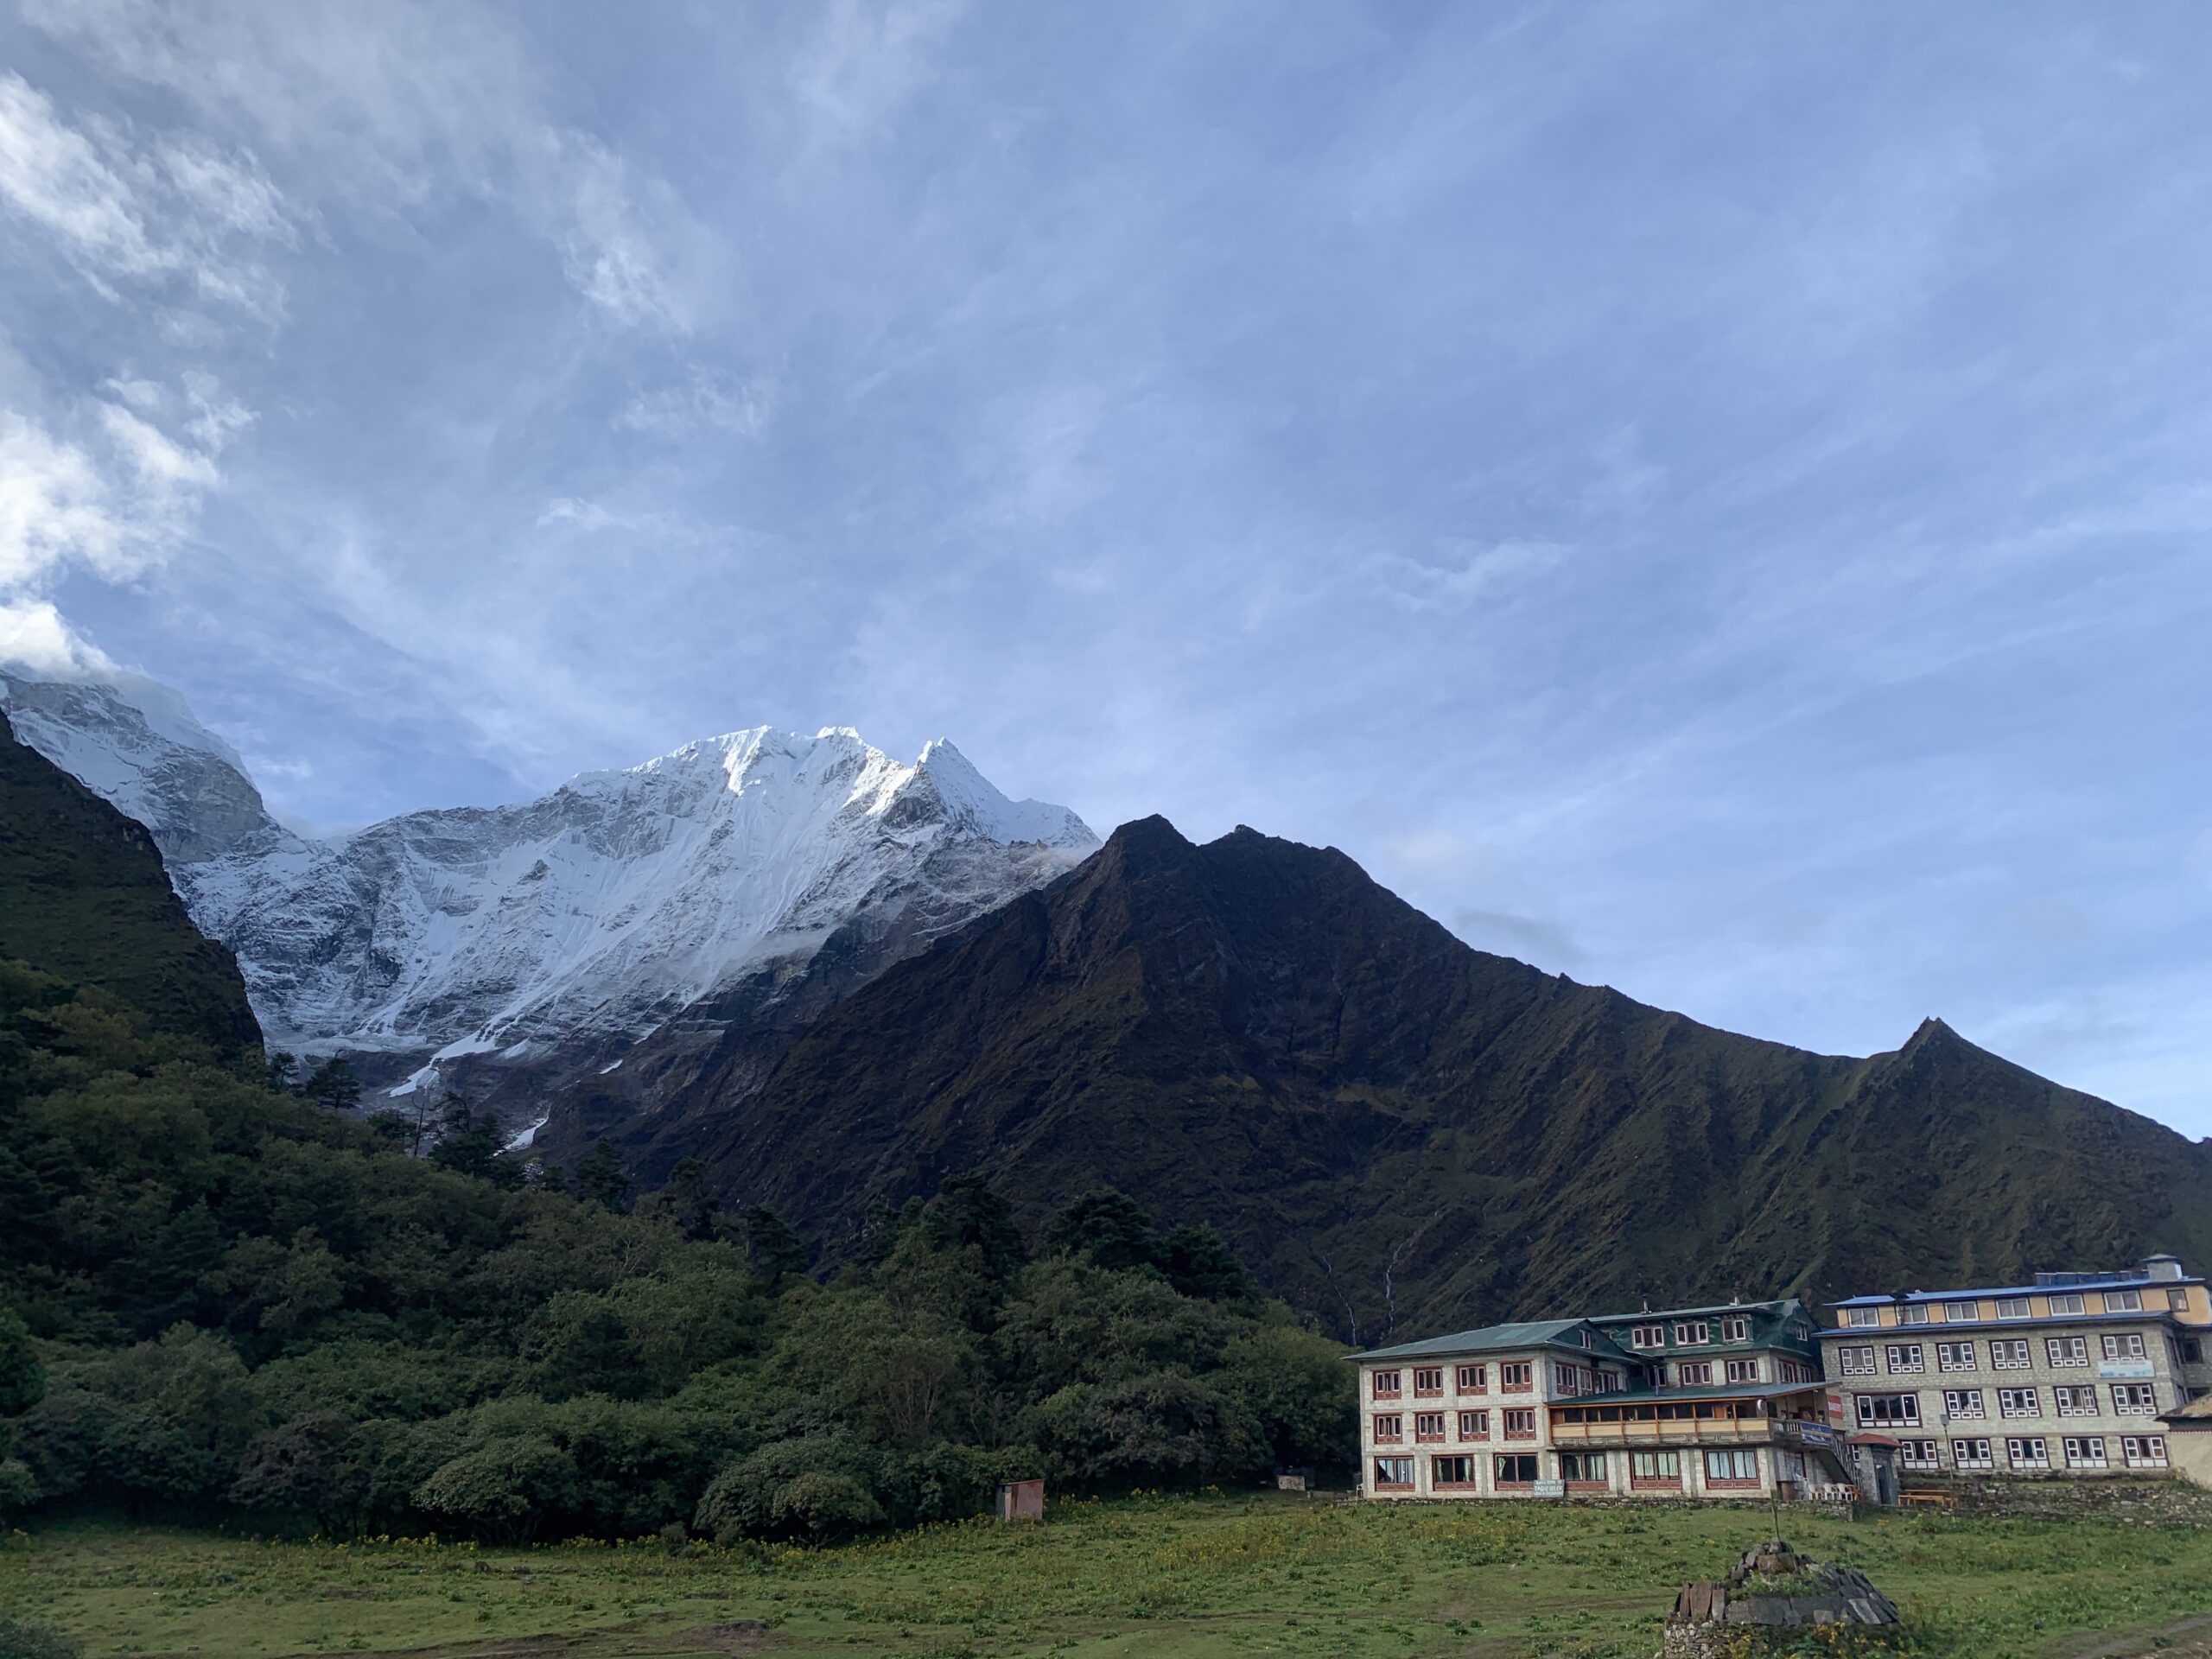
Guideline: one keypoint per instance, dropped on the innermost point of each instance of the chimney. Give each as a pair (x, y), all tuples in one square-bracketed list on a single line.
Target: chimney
[(2161, 1266)]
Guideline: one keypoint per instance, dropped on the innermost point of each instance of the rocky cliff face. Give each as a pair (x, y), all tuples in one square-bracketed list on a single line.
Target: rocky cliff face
[(508, 950)]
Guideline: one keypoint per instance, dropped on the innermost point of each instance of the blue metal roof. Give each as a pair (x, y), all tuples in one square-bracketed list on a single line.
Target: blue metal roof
[(2109, 1281)]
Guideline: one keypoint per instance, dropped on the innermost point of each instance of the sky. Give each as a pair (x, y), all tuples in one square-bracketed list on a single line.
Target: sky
[(1709, 499)]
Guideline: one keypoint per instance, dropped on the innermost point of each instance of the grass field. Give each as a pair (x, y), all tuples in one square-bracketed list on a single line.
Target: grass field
[(1171, 1576)]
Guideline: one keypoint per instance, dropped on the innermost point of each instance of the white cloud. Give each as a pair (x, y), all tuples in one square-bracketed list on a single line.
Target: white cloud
[(1467, 573), (122, 211), (115, 496), (34, 637), (866, 62), (703, 401), (400, 104)]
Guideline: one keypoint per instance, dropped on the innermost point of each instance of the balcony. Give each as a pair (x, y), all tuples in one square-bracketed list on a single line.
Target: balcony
[(1694, 1431)]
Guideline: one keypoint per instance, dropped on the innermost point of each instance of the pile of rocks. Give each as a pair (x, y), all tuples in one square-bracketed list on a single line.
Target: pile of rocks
[(1773, 1592)]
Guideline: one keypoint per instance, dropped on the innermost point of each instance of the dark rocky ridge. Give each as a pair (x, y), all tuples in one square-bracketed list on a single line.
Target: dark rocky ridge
[(1402, 1133), (83, 896)]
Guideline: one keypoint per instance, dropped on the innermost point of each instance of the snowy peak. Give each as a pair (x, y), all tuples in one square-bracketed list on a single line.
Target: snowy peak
[(137, 744), (575, 925), (970, 799)]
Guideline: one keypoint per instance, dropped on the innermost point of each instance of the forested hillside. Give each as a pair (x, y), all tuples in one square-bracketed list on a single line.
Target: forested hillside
[(83, 894), (1411, 1136), (232, 1299)]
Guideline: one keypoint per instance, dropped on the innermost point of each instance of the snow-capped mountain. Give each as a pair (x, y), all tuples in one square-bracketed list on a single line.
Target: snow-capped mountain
[(545, 938)]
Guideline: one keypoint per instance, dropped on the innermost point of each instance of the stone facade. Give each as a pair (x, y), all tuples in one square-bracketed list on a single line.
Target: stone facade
[(2068, 1376)]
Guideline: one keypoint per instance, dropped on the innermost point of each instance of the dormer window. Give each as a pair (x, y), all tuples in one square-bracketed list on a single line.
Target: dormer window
[(1736, 1327), (2016, 1307), (1861, 1317), (1690, 1333), (2123, 1301), (2073, 1303), (1912, 1312), (1647, 1336)]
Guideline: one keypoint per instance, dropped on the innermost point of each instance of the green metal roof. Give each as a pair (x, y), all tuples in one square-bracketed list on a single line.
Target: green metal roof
[(1507, 1338), (1674, 1396)]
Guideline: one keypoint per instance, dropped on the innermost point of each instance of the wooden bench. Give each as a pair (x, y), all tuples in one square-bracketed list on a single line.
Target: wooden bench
[(1928, 1500)]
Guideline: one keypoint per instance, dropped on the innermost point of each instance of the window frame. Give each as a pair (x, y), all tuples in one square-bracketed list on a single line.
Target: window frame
[(1428, 1391), (1439, 1480), (2123, 1301), (2065, 1353), (1906, 1358), (1479, 1429), (2018, 1402), (1845, 1351), (1965, 1405), (1471, 1379), (2144, 1450), (1948, 1357), (1861, 1318), (1517, 1461), (1384, 1483), (1970, 1457), (1385, 1385), (2018, 1457), (2085, 1452), (1867, 1408)]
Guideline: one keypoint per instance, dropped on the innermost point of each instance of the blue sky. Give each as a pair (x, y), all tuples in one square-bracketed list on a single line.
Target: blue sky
[(1709, 500)]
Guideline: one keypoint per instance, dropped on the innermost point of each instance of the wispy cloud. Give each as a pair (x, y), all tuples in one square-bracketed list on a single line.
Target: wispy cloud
[(405, 103), (703, 401), (125, 211)]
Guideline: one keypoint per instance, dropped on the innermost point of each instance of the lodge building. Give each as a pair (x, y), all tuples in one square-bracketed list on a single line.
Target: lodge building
[(2076, 1373), (1716, 1402)]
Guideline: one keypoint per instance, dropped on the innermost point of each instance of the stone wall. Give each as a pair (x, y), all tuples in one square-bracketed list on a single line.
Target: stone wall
[(2159, 1499)]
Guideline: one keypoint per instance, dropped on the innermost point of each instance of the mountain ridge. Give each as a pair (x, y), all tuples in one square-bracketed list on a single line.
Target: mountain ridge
[(1393, 1126)]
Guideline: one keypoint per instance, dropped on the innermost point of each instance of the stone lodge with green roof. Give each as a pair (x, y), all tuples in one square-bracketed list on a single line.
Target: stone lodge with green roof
[(1718, 1403)]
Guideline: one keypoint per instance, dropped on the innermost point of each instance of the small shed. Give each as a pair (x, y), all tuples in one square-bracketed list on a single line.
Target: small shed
[(1021, 1500)]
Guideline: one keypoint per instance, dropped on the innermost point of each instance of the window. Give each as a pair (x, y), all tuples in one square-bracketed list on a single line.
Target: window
[(1743, 1370), (2085, 1452), (1692, 1374), (1962, 1402), (1474, 1379), (1856, 1362), (1735, 1328), (1609, 1381), (1972, 1454), (1647, 1336), (1879, 1410), (1386, 1385), (2017, 1402), (2126, 1346), (1520, 1425), (2123, 1301), (2177, 1301), (1918, 1454), (1515, 1469), (1961, 1312), (1860, 1318), (1429, 1379), (2069, 1304), (2027, 1454), (2008, 1353), (1393, 1471), (2134, 1400), (1906, 1358), (1474, 1424), (1451, 1472), (2066, 1351), (1390, 1428), (1913, 1313), (1429, 1426), (1664, 1466), (2012, 1307), (1517, 1377), (1794, 1371), (2080, 1402), (1582, 1465), (2144, 1450), (1954, 1356), (1732, 1468), (2192, 1350), (1690, 1333)]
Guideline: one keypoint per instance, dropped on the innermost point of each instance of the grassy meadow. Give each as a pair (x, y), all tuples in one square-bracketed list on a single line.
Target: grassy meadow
[(1166, 1577)]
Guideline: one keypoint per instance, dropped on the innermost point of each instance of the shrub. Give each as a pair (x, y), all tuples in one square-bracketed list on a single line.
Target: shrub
[(22, 1639)]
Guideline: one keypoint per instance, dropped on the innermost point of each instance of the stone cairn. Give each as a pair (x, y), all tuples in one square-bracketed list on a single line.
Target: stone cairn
[(1772, 1595)]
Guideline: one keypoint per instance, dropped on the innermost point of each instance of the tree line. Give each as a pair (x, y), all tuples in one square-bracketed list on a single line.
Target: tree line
[(222, 1293)]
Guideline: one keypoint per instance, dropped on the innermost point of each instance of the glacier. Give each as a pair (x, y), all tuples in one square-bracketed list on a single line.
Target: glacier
[(535, 942)]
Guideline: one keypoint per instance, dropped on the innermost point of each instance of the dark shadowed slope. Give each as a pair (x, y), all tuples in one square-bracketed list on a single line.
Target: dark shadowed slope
[(1396, 1130), (83, 896)]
